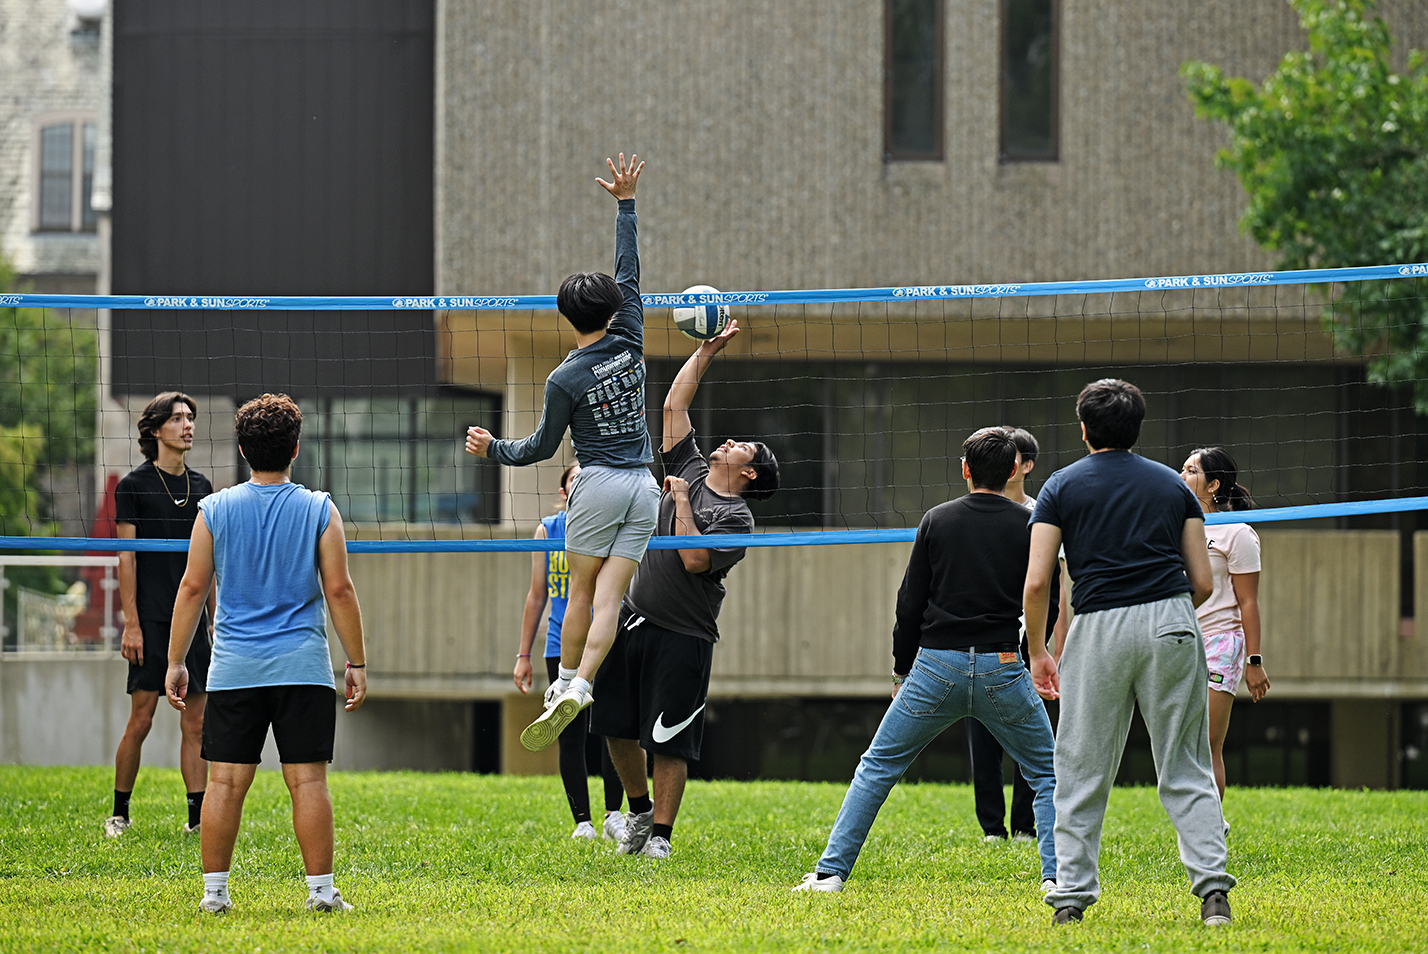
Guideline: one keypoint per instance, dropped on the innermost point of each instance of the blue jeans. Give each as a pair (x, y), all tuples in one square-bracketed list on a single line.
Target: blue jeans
[(946, 685)]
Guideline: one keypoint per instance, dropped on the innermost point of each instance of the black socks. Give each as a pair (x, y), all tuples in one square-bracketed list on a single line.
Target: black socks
[(195, 808), (639, 804), (121, 804), (662, 831)]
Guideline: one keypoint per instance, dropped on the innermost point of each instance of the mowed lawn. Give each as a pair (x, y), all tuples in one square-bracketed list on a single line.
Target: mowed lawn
[(485, 863)]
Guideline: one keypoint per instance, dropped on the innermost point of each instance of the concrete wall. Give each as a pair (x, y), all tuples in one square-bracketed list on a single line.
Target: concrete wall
[(45, 68), (762, 125)]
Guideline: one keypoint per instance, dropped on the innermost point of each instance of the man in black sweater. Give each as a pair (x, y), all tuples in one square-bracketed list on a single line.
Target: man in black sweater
[(955, 656)]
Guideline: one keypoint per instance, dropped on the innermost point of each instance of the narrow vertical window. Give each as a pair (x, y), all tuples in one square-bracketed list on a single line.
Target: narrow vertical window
[(88, 218), (912, 80), (56, 177), (1030, 80)]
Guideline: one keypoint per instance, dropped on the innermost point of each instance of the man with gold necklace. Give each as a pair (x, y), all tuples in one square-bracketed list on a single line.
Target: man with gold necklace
[(159, 500)]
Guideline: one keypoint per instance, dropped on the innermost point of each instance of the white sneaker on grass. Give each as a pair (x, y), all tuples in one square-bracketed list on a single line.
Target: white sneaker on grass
[(811, 882), (1048, 885), (993, 839), (214, 904), (336, 905), (636, 833), (543, 732), (115, 825), (656, 847), (191, 829), (584, 830), (614, 827)]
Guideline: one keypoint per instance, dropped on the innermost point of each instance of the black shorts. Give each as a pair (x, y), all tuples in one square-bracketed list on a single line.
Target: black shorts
[(304, 721), (652, 687), (150, 676)]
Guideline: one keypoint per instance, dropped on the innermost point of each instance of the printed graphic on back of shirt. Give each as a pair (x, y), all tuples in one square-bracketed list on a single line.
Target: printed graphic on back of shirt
[(618, 397)]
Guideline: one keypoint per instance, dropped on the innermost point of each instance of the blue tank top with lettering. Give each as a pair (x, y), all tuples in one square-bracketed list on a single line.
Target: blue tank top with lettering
[(557, 578)]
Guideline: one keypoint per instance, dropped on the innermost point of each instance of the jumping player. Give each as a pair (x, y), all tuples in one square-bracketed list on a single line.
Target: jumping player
[(159, 500), (955, 656), (276, 550), (1135, 545), (550, 579), (598, 393), (656, 678), (1229, 619)]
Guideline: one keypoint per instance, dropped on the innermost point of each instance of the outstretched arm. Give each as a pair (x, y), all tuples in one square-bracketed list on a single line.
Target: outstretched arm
[(686, 383), (629, 319)]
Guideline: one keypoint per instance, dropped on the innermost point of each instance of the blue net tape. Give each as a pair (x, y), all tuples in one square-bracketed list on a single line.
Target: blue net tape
[(807, 297), (811, 538)]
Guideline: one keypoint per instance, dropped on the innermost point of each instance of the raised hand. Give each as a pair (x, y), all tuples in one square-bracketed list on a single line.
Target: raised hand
[(626, 177), (478, 440)]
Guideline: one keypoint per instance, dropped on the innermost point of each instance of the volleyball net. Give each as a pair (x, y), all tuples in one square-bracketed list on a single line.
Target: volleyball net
[(1309, 378)]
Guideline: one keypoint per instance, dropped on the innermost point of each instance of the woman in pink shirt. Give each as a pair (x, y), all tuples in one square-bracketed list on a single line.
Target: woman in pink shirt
[(1229, 619)]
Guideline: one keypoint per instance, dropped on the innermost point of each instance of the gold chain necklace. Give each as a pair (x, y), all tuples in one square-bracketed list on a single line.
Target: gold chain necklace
[(187, 485)]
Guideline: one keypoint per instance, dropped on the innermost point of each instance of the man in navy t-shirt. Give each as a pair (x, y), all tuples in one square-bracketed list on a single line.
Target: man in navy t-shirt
[(1135, 545)]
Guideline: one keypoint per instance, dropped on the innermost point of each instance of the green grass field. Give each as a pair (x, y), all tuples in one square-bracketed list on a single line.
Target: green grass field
[(484, 863)]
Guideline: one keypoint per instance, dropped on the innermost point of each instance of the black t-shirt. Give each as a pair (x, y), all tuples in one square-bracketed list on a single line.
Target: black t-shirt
[(1122, 518), (964, 579), (146, 498), (663, 591)]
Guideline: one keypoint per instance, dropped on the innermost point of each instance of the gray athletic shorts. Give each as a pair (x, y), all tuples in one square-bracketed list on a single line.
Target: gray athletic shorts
[(612, 512)]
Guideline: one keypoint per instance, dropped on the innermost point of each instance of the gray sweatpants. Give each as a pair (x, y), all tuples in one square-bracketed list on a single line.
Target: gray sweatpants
[(1152, 654)]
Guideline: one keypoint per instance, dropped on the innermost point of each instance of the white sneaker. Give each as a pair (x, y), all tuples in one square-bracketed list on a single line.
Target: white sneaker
[(636, 833), (1023, 837), (1048, 885), (191, 829), (811, 882), (614, 828), (115, 825), (585, 830), (656, 847), (336, 905), (993, 839), (554, 691), (213, 904), (543, 732)]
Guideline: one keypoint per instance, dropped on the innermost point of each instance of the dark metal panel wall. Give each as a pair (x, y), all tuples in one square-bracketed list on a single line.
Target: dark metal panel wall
[(272, 147)]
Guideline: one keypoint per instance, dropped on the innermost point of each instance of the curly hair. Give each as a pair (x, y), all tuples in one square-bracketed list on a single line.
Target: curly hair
[(159, 410), (268, 430)]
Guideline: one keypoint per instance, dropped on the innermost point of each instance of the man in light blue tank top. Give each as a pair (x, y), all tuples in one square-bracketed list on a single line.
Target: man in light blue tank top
[(278, 553)]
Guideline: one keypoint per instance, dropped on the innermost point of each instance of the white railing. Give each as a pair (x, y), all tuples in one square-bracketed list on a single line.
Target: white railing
[(46, 623)]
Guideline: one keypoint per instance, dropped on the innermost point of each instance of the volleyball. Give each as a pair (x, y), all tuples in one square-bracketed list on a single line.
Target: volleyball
[(701, 322)]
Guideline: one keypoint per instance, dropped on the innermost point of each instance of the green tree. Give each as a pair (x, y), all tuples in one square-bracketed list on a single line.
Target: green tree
[(1332, 149), (49, 369)]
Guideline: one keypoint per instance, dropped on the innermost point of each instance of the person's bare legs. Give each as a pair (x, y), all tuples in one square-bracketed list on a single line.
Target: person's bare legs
[(629, 761), (1220, 705), (191, 761), (142, 704), (312, 814), (605, 580), (228, 785), (670, 774)]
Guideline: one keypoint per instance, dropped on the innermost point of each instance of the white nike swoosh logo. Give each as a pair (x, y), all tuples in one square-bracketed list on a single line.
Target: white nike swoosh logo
[(663, 733)]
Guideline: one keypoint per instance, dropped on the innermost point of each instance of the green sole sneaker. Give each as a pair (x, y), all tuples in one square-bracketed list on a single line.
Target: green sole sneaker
[(543, 732)]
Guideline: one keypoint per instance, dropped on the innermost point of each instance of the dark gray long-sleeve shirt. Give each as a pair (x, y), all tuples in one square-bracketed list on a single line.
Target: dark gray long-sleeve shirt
[(598, 391)]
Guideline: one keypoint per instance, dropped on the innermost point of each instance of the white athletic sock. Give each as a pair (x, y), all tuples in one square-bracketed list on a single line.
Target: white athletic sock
[(581, 684), (215, 884), (320, 887), (566, 675)]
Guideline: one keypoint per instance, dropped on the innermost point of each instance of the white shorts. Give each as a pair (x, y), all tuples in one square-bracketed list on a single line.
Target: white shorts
[(1225, 657), (612, 512)]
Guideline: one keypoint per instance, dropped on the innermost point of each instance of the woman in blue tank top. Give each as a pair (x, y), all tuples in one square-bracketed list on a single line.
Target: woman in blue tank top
[(549, 577)]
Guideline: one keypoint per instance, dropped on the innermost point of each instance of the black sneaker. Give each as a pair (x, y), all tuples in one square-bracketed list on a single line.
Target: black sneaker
[(1215, 909), (1066, 915)]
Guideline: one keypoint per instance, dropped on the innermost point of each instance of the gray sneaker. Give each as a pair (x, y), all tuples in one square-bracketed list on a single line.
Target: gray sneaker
[(336, 905), (656, 847), (1215, 909), (636, 834), (213, 904), (1067, 915)]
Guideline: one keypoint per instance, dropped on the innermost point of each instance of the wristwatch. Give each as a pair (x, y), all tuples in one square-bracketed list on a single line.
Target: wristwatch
[(898, 680), (1255, 659)]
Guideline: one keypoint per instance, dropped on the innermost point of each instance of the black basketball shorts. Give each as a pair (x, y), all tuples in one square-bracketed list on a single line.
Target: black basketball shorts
[(304, 721), (151, 675), (652, 687)]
